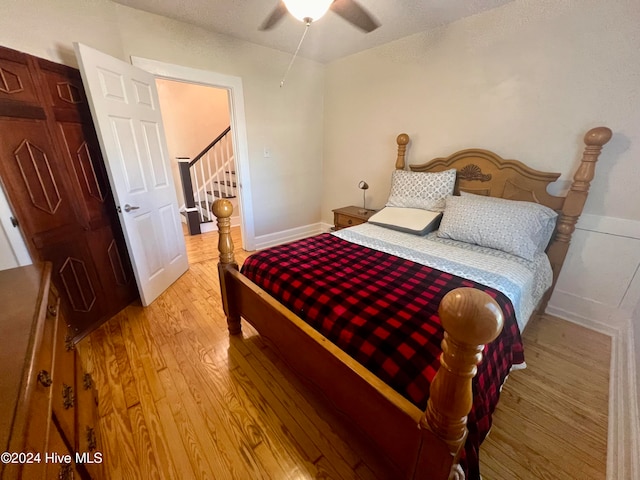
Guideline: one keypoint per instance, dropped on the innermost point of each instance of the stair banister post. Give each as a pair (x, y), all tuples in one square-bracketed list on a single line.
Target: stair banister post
[(193, 220)]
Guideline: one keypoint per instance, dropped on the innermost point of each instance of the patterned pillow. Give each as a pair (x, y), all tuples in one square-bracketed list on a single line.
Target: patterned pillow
[(424, 190), (520, 228)]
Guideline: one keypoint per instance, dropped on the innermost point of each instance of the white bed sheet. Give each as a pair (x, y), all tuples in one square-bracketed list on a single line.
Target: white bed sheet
[(522, 281)]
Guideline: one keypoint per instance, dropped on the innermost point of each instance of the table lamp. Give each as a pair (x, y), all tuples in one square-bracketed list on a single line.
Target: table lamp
[(363, 186)]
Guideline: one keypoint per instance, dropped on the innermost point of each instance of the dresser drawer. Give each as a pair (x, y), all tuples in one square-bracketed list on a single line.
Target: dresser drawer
[(89, 444), (61, 462), (342, 221), (40, 405), (64, 388)]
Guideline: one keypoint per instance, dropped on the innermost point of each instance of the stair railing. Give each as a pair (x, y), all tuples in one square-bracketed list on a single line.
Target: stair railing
[(210, 175)]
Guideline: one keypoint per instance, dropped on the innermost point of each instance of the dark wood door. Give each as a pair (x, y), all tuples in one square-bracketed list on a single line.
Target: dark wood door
[(55, 180)]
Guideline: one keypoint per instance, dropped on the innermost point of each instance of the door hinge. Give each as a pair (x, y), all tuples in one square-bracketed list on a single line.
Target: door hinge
[(14, 221)]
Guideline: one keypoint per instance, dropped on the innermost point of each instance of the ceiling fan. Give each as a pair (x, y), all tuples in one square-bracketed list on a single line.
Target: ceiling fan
[(309, 11)]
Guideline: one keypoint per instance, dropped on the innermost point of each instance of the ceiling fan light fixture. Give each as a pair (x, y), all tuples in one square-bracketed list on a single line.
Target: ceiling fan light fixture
[(308, 9)]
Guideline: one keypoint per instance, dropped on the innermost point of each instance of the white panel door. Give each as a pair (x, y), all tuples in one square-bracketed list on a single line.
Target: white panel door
[(125, 109)]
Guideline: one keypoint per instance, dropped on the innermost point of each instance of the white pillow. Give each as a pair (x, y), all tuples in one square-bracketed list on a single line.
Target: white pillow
[(424, 190), (519, 228), (410, 220)]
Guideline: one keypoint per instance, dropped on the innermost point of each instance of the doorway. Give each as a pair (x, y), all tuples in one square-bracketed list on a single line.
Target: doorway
[(197, 123), (233, 86)]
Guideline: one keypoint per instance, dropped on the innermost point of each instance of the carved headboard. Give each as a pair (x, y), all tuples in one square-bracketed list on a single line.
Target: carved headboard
[(486, 173)]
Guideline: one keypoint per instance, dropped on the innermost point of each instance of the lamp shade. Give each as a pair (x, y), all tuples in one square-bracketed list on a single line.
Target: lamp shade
[(303, 9)]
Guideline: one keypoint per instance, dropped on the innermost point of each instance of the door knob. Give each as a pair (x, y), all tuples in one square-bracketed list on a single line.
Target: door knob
[(128, 208)]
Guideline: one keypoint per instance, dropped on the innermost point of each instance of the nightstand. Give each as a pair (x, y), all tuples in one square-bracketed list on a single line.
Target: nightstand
[(349, 216)]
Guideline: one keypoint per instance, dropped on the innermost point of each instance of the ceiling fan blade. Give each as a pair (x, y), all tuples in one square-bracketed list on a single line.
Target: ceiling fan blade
[(275, 17), (353, 13)]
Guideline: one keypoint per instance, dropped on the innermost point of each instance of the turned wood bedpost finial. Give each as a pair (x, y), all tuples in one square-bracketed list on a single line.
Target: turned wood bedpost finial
[(576, 198), (223, 209), (402, 140), (471, 319)]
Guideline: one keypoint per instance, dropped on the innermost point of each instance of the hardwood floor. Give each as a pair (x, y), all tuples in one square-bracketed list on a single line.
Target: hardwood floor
[(179, 399)]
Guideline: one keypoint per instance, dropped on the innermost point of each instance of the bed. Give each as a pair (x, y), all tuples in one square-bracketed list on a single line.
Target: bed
[(415, 393)]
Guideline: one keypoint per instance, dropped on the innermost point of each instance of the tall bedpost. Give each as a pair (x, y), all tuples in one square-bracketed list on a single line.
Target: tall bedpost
[(471, 319), (223, 209), (402, 140), (575, 201)]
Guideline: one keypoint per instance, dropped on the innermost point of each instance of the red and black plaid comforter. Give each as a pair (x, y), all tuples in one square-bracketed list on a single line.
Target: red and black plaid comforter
[(383, 311)]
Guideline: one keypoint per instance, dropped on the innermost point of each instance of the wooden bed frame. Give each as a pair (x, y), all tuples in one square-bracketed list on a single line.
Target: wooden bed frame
[(420, 444)]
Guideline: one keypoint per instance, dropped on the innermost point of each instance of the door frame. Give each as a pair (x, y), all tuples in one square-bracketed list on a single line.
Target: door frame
[(233, 85), (17, 243)]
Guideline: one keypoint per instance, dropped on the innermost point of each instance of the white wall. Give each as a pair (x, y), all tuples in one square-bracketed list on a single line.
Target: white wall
[(48, 28), (286, 187), (526, 80)]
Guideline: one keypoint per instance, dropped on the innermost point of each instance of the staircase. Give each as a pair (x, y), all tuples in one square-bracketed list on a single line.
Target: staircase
[(209, 175)]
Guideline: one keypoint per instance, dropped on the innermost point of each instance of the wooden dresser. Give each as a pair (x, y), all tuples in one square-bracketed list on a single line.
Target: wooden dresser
[(48, 407)]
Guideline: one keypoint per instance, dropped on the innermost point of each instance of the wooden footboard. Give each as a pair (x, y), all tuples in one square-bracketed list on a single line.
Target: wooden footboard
[(421, 445)]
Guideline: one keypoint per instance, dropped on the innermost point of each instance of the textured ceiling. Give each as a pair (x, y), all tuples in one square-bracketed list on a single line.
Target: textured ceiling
[(328, 39)]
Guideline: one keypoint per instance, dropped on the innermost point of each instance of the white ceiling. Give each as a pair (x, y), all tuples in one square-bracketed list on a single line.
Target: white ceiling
[(329, 38)]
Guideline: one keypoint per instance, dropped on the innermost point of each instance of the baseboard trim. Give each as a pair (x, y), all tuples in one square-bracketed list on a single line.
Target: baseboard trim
[(624, 436), (285, 236), (623, 439)]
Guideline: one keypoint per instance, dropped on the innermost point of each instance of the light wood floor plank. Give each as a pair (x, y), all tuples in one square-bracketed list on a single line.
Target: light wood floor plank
[(147, 343), (225, 456), (196, 441), (231, 426), (179, 398), (127, 381), (174, 440), (153, 422), (148, 462)]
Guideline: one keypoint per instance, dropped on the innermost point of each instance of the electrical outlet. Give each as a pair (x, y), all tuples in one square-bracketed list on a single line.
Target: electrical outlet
[(267, 152)]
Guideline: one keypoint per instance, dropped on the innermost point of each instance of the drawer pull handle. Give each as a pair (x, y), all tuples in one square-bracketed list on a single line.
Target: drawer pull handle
[(68, 342), (91, 439), (87, 381), (44, 378), (52, 310), (350, 222), (65, 472), (68, 398)]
